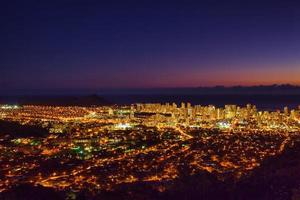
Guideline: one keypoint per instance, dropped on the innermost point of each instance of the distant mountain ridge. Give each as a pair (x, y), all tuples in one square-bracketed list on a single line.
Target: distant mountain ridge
[(256, 89), (284, 89), (87, 100)]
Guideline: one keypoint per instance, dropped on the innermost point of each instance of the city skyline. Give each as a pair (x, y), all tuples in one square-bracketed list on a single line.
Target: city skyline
[(153, 146), (150, 99)]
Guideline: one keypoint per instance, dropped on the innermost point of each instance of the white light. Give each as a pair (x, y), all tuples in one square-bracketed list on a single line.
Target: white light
[(223, 125), (9, 107), (123, 126)]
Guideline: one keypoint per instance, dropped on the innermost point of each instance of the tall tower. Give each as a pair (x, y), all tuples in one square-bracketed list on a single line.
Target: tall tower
[(182, 105), (286, 110)]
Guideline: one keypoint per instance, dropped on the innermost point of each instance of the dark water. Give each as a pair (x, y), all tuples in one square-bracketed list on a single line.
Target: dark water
[(265, 102)]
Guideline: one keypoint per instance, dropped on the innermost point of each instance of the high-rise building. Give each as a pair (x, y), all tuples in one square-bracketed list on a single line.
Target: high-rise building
[(110, 111), (188, 105), (286, 110), (182, 105), (174, 105)]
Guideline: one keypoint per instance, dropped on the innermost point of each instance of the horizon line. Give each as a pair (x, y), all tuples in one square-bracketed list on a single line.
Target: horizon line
[(150, 88)]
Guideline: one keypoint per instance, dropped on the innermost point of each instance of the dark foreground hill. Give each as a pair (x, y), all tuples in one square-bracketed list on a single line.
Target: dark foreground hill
[(88, 100), (15, 129)]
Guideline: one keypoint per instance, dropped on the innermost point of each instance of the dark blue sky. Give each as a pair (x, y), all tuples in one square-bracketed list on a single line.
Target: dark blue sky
[(140, 44)]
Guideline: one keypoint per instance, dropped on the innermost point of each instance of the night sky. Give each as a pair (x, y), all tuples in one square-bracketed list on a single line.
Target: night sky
[(148, 44)]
